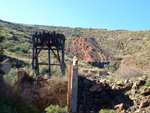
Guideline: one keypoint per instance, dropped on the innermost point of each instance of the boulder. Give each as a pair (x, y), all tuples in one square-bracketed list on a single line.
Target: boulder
[(128, 86), (96, 87), (146, 91), (120, 83), (108, 82), (115, 87), (143, 78), (121, 107), (103, 82), (142, 82), (144, 103), (126, 81), (136, 85)]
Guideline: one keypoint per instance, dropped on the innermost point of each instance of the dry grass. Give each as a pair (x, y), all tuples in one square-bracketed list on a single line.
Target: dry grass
[(127, 71)]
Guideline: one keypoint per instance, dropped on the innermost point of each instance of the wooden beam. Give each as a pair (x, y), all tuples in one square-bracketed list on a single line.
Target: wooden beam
[(51, 44), (40, 48), (49, 60), (56, 56), (37, 66), (74, 87), (69, 87), (48, 64), (63, 62), (33, 53), (51, 48)]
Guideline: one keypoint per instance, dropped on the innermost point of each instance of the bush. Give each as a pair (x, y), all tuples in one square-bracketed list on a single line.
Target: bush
[(111, 68), (25, 50), (108, 111), (147, 84), (11, 77), (5, 109), (128, 71), (27, 69), (43, 70), (15, 38), (55, 109), (17, 48), (15, 105)]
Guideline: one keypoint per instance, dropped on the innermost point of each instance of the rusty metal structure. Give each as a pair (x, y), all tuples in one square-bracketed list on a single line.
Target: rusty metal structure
[(53, 43)]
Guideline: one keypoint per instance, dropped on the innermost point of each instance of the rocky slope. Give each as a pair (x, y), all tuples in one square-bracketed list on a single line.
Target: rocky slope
[(88, 50), (129, 45), (124, 96)]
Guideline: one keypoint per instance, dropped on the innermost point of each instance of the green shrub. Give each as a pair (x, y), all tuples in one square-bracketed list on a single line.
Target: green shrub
[(43, 69), (11, 50), (25, 50), (27, 69), (55, 109), (17, 63), (5, 109), (15, 38), (11, 77), (7, 45), (147, 84), (17, 48), (111, 68), (15, 105), (108, 111)]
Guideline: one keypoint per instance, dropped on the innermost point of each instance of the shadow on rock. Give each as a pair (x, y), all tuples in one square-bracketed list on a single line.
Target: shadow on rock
[(97, 94)]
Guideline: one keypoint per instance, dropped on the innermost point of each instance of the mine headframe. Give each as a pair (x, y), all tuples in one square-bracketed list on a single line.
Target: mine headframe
[(53, 43)]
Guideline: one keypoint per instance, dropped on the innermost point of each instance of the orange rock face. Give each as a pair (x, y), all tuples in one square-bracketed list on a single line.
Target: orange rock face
[(88, 50)]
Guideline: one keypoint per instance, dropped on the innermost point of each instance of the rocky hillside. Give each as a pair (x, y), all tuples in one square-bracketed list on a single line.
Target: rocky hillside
[(131, 46)]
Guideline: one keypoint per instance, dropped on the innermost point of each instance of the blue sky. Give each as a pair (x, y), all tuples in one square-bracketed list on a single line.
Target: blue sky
[(103, 14)]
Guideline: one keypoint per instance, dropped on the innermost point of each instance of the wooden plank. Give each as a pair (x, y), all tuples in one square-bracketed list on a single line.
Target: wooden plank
[(40, 49), (49, 60), (63, 62), (69, 87), (37, 66), (51, 44), (48, 64), (74, 86), (33, 53), (56, 56), (51, 48)]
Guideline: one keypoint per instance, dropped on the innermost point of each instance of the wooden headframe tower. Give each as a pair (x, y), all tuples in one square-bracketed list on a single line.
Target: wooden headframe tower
[(53, 43)]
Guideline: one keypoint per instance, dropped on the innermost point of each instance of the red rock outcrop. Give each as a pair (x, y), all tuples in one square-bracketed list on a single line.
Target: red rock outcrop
[(88, 50)]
